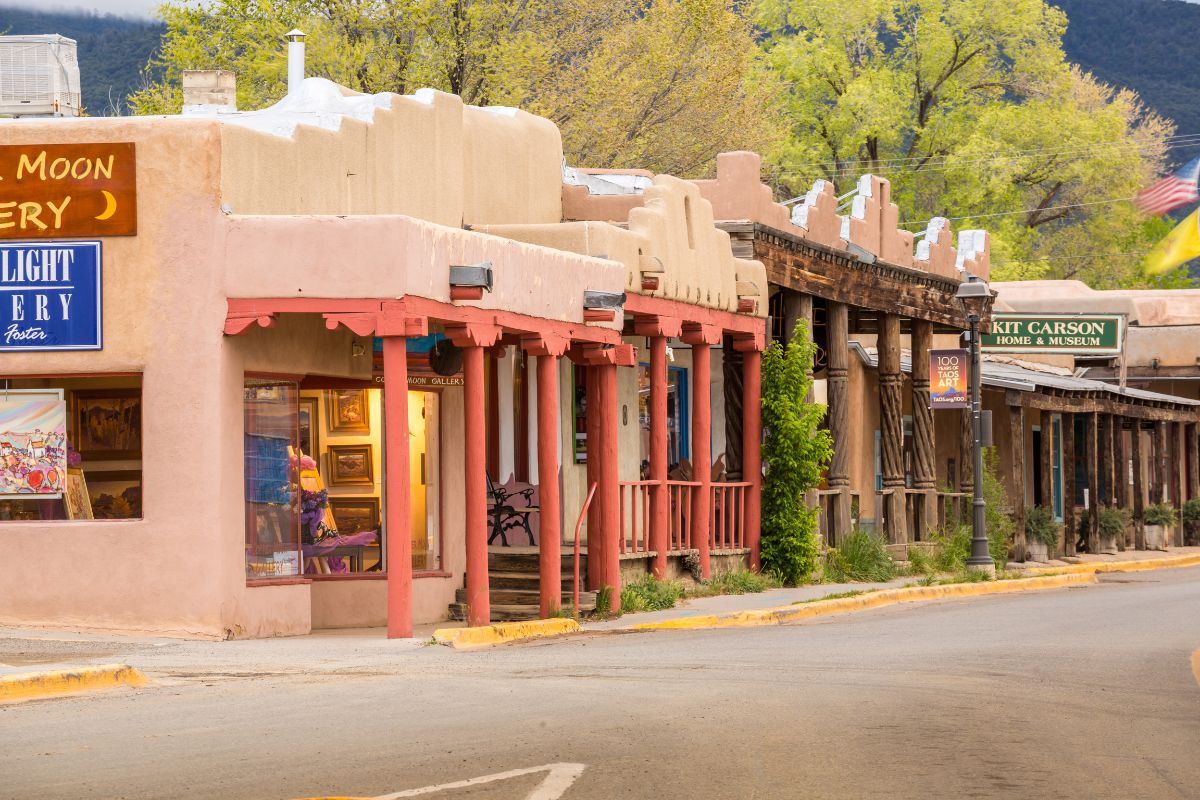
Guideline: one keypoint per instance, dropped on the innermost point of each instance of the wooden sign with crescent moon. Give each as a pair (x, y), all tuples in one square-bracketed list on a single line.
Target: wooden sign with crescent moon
[(56, 191)]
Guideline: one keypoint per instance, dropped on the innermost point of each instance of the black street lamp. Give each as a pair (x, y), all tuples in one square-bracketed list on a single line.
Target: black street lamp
[(976, 298)]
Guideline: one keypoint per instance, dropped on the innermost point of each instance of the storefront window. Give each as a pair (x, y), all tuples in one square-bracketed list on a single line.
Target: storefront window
[(71, 449), (677, 419), (272, 479)]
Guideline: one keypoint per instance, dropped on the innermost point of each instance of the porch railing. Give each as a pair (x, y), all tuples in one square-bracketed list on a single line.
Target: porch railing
[(727, 523), (635, 516), (681, 513)]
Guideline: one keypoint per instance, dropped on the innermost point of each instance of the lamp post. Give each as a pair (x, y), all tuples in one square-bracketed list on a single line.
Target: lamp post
[(976, 298)]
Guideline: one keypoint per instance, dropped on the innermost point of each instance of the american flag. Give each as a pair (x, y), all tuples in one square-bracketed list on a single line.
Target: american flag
[(1175, 190)]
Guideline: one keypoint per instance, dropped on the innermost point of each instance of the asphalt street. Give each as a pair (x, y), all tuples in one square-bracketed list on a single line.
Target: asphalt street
[(1074, 693)]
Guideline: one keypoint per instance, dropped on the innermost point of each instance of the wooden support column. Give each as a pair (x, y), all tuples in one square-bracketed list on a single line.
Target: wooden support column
[(548, 350), (924, 445), (966, 461), (1139, 489), (658, 330), (1068, 473), (1120, 471), (1104, 436), (839, 421), (1161, 449), (1046, 461), (398, 502), (891, 426), (1016, 427), (1178, 475), (702, 337), (474, 338), (796, 306), (595, 542), (1193, 460), (751, 350), (1093, 474), (609, 491)]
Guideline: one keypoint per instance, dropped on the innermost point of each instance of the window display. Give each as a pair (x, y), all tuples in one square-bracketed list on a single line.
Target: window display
[(71, 449)]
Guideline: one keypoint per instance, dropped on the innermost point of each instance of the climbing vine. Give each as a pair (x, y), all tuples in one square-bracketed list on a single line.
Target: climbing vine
[(796, 451)]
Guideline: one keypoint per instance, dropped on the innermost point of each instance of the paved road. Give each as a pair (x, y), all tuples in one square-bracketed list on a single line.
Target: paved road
[(1077, 693)]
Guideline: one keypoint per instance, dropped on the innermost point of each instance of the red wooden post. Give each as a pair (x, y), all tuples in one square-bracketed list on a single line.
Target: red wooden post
[(595, 542), (752, 450), (660, 500), (473, 338), (550, 544), (701, 457), (609, 480), (399, 542)]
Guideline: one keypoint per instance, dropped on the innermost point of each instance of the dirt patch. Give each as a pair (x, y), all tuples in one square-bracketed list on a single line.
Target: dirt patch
[(26, 652)]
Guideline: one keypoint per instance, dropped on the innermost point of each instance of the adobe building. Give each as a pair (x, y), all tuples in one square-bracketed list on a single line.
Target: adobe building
[(338, 353)]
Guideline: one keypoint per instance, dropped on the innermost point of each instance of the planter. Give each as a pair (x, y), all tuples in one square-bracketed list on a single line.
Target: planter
[(1036, 551), (1108, 545), (1157, 537)]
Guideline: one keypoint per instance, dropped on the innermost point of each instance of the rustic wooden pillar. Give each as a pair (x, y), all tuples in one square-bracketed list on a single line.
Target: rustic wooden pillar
[(1120, 471), (796, 306), (1193, 460), (595, 541), (608, 494), (1016, 426), (1139, 489), (1160, 463), (396, 488), (1046, 461), (1178, 475), (752, 450), (1068, 472), (891, 426), (1093, 473), (966, 461), (1104, 434), (733, 393), (702, 338), (924, 447), (839, 420)]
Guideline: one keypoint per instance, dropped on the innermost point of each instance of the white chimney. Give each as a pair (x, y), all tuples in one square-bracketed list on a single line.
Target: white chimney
[(295, 38)]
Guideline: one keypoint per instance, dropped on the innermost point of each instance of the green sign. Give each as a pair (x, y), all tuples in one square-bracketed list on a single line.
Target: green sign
[(1074, 334)]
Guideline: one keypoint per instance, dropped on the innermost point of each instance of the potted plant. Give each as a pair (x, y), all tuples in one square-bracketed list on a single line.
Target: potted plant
[(1191, 518), (1112, 526), (1042, 534), (1159, 518)]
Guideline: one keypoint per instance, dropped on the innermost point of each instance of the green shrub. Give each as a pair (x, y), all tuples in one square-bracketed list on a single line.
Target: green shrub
[(648, 594), (1112, 523), (795, 451), (952, 547), (920, 561), (1160, 514), (1000, 525), (1041, 526), (739, 582), (863, 556), (1191, 511)]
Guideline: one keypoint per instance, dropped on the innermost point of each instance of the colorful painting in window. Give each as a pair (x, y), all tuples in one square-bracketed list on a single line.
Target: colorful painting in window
[(33, 444)]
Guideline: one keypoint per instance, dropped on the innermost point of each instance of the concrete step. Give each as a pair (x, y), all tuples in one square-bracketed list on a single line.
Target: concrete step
[(504, 597), (525, 580), (512, 612)]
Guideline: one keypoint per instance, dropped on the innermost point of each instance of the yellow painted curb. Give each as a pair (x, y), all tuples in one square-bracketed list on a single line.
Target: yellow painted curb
[(1165, 562), (35, 685), (862, 602), (501, 632)]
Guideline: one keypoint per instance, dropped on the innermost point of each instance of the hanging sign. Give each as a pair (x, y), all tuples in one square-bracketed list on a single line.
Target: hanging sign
[(33, 444), (55, 191), (948, 379), (50, 296), (1071, 334)]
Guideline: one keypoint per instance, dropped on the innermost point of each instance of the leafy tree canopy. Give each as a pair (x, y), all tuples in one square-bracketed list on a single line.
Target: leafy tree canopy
[(971, 110), (663, 85)]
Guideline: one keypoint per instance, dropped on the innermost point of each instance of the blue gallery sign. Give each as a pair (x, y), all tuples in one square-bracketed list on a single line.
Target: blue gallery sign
[(50, 296)]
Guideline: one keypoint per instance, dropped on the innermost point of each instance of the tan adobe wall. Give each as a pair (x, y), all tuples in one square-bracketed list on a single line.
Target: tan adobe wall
[(426, 156), (670, 235)]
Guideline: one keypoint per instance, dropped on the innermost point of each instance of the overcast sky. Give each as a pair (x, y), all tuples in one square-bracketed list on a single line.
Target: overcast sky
[(128, 8)]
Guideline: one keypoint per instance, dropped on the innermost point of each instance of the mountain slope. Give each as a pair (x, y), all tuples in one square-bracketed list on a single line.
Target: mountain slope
[(112, 50)]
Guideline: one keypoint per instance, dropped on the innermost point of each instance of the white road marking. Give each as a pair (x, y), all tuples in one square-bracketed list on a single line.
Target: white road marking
[(560, 777)]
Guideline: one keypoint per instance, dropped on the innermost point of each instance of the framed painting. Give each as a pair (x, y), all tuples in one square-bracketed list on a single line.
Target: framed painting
[(355, 514), (76, 497), (33, 449), (349, 411), (351, 465), (108, 424), (310, 441)]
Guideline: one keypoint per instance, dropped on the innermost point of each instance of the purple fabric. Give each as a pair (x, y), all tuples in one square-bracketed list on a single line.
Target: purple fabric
[(325, 545)]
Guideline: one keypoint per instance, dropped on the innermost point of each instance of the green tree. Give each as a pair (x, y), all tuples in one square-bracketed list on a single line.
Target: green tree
[(971, 110), (796, 451), (663, 85)]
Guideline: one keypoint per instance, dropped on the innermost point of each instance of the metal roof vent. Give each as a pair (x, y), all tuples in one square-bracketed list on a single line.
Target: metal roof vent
[(39, 76)]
